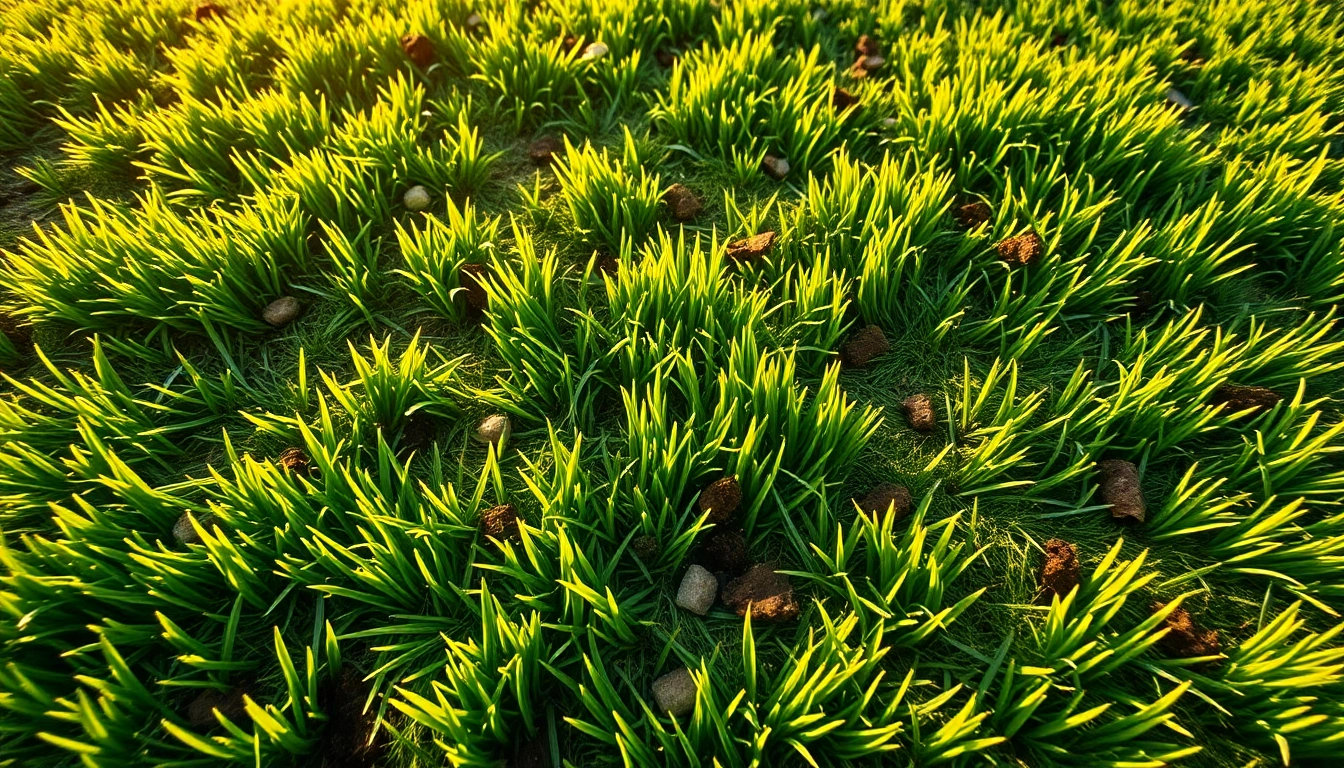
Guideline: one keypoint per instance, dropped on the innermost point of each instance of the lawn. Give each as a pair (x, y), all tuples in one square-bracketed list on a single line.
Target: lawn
[(671, 382)]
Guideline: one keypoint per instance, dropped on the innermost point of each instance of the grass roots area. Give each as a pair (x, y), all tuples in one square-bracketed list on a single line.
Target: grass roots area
[(671, 383)]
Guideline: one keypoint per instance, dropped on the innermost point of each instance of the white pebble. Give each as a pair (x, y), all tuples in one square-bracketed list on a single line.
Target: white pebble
[(416, 198), (595, 51)]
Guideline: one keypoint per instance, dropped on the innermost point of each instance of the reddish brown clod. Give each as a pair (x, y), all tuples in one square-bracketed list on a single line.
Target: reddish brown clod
[(473, 277), (1236, 398), (1021, 250), (544, 149), (1060, 573), (726, 551), (868, 46), (972, 215), (775, 167), (752, 247), (569, 42), (1184, 638), (768, 593), (207, 11), (721, 499), (842, 99), (295, 460), (500, 522), (1120, 490), (201, 711), (682, 202), (419, 49), (919, 412), (348, 739), (886, 496), (866, 345)]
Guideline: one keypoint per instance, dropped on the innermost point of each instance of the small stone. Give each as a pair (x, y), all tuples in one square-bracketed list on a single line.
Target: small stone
[(282, 311), (500, 522), (1021, 250), (208, 11), (295, 460), (416, 198), (1236, 398), (888, 122), (1060, 573), (972, 215), (1184, 638), (866, 345), (919, 412), (675, 693), (1120, 489), (645, 547), (472, 277), (185, 532), (1178, 99), (721, 499), (752, 247), (697, 591), (868, 46), (419, 49), (842, 99), (775, 167), (594, 51), (682, 202), (726, 551), (767, 593), (887, 496), (494, 430), (543, 150), (201, 711), (473, 21)]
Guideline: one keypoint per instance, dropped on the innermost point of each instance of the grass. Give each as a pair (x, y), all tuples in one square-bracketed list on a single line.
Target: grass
[(223, 542)]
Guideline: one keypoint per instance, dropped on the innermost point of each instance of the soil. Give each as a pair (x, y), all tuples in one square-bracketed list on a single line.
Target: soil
[(201, 712), (682, 203), (775, 167), (721, 499), (752, 247), (1021, 250), (417, 432), (886, 496), (768, 593), (345, 741), (842, 99), (866, 65), (472, 278), (207, 11), (296, 461), (608, 265), (533, 753), (919, 412), (500, 522), (726, 551), (282, 311), (868, 46), (1186, 639), (543, 150), (1059, 40), (1061, 571), (419, 49), (645, 547), (865, 346), (1120, 490), (1237, 398), (973, 214)]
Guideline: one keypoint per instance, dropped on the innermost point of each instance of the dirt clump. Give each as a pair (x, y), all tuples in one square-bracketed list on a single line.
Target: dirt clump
[(767, 592), (1237, 398), (472, 277), (1186, 639), (419, 49), (544, 149), (494, 430), (919, 412), (726, 551), (418, 431), (208, 11), (775, 167), (348, 739), (645, 547), (868, 46), (1060, 573), (721, 499), (865, 66), (665, 58), (1021, 250), (201, 711), (752, 247), (886, 496), (842, 99), (1120, 490), (682, 203), (866, 345), (500, 522), (973, 214), (296, 461), (282, 311), (608, 265)]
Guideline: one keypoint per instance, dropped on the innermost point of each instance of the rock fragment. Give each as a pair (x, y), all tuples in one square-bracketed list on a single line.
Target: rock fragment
[(500, 522), (1021, 250), (721, 499), (766, 592), (866, 345), (1236, 398), (972, 215), (416, 198), (887, 496), (1120, 490), (281, 312), (919, 412), (1060, 573), (775, 167), (295, 460), (544, 149), (682, 203), (494, 430), (752, 247), (674, 693), (697, 591)]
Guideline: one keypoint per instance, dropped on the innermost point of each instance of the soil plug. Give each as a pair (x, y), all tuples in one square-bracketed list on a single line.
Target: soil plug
[(1120, 489), (1059, 575), (500, 522), (886, 496), (1184, 638), (544, 149), (919, 412), (753, 247), (767, 592), (698, 590), (419, 49), (1237, 398), (472, 278), (645, 547), (682, 203), (842, 99), (1021, 250), (295, 460), (721, 499), (726, 551), (972, 215), (865, 346)]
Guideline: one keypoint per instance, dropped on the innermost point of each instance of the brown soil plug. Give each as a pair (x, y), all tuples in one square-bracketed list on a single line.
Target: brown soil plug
[(721, 499), (866, 345), (1120, 490), (419, 49), (972, 215), (1185, 639), (726, 551), (472, 277), (1237, 398), (1060, 574), (500, 522), (919, 412), (767, 593), (886, 496), (752, 247), (682, 202), (1021, 250), (544, 149)]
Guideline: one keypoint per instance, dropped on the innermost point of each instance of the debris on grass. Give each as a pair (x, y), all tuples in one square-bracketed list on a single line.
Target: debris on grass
[(417, 432), (543, 150), (765, 591), (185, 532), (919, 412), (1178, 99), (973, 214), (866, 65), (868, 46), (842, 99), (645, 547), (494, 430), (208, 11), (665, 58), (675, 693), (500, 522), (1021, 250), (721, 499), (348, 738), (1120, 490), (419, 49), (726, 551), (1237, 398), (697, 591), (282, 311), (682, 203), (416, 198), (594, 51), (295, 461), (472, 277), (753, 247), (1061, 571), (201, 712), (1184, 638), (775, 167), (887, 496), (866, 345)]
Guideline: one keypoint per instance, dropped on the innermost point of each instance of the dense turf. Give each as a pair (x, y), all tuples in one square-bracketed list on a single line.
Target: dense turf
[(225, 542)]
